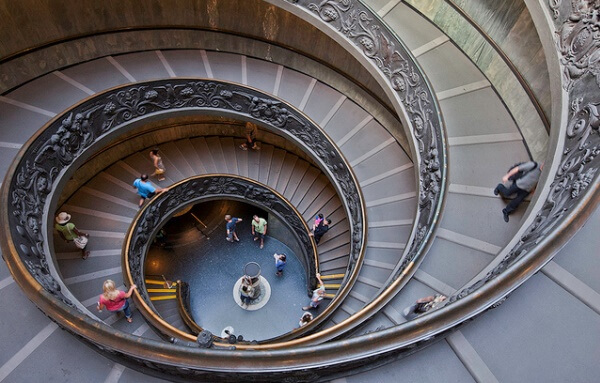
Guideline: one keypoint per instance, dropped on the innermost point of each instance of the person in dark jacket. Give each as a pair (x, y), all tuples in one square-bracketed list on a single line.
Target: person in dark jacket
[(524, 177), (321, 229)]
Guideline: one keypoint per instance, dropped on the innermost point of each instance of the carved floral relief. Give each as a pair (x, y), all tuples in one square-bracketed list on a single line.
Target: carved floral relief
[(69, 137)]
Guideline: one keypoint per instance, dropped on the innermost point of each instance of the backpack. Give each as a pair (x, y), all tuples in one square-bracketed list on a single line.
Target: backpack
[(520, 173)]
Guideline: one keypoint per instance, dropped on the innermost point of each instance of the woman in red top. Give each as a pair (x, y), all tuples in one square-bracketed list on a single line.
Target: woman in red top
[(115, 300)]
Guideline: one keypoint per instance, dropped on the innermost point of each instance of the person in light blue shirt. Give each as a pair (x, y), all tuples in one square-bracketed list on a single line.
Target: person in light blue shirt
[(145, 189)]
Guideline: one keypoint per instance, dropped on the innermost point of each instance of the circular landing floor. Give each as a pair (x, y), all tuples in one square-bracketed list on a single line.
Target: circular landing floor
[(212, 267)]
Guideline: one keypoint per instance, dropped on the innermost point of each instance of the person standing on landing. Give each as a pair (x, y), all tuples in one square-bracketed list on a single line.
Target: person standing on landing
[(159, 168), (305, 319), (69, 233), (524, 177), (259, 229), (280, 262), (145, 189), (230, 226), (115, 300)]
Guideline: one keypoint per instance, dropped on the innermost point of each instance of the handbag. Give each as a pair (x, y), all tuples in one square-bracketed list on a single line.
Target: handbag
[(81, 242)]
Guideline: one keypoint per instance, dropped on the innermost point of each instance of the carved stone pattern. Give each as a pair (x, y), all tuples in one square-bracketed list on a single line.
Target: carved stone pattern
[(167, 203), (580, 160), (358, 24), (64, 140), (555, 7), (578, 42)]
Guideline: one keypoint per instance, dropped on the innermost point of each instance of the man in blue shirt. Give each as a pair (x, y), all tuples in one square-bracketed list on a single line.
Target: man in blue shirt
[(145, 189), (280, 261), (231, 234)]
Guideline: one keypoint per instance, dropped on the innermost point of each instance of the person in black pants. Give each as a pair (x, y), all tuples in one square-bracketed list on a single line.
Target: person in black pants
[(321, 229), (524, 177)]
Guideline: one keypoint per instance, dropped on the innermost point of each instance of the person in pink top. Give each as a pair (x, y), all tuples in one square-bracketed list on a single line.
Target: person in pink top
[(115, 300)]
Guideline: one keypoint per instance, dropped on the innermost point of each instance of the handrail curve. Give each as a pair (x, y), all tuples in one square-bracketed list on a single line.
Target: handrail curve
[(68, 138), (183, 304), (191, 191), (509, 63), (419, 109), (571, 192)]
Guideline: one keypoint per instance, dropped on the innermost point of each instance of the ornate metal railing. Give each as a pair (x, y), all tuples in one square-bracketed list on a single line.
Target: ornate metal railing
[(67, 141), (192, 191), (416, 104), (183, 305), (571, 194)]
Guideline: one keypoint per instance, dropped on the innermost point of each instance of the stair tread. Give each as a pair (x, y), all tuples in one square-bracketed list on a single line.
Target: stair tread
[(201, 146), (216, 151), (286, 171), (305, 184), (276, 164), (230, 152), (266, 155)]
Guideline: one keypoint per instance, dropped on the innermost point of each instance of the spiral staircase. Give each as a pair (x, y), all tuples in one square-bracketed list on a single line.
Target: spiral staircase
[(547, 330)]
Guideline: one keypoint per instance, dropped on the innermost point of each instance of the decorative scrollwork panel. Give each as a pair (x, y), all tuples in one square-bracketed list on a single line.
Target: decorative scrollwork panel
[(578, 42), (70, 135), (357, 23)]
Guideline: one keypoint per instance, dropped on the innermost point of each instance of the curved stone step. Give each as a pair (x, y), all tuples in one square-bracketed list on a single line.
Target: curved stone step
[(380, 166), (107, 221), (344, 120), (484, 143)]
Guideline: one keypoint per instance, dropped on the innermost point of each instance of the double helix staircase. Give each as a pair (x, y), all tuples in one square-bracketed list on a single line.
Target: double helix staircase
[(484, 142)]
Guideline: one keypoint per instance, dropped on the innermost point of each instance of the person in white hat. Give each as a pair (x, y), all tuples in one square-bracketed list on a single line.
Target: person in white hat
[(69, 233)]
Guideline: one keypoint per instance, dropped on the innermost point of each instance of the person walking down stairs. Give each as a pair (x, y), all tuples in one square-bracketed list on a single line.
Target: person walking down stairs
[(69, 233), (159, 168), (115, 300), (145, 189), (317, 295), (524, 177), (320, 230), (251, 131)]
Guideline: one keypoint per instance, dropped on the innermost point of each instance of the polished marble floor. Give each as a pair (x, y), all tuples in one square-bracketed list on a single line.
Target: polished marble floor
[(212, 267)]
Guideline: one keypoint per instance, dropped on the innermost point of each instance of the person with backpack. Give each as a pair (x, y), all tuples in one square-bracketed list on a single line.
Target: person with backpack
[(524, 177), (423, 305)]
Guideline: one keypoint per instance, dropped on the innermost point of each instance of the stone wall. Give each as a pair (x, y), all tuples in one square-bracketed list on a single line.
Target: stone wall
[(509, 24)]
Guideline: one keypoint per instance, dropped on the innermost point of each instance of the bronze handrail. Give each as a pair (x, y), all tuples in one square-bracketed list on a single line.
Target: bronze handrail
[(193, 190), (312, 363), (183, 304)]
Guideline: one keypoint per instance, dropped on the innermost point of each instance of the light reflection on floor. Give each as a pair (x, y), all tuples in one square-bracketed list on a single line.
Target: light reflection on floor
[(212, 266)]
